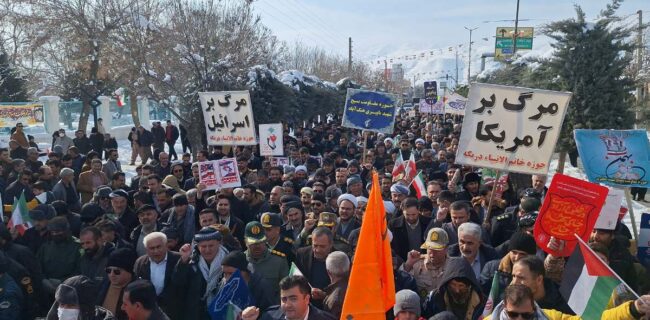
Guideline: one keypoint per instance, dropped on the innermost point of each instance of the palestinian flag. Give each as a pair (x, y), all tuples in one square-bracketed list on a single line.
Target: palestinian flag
[(587, 283), (493, 298), (233, 312), (419, 185), (294, 271), (20, 216), (399, 165)]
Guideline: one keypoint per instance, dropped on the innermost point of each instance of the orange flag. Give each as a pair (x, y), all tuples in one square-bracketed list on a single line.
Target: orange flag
[(371, 289)]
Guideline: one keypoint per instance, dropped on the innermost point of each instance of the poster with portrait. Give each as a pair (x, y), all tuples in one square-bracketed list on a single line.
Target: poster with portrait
[(27, 114), (219, 174), (271, 140)]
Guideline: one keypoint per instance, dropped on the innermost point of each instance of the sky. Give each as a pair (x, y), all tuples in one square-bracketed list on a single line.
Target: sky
[(381, 28)]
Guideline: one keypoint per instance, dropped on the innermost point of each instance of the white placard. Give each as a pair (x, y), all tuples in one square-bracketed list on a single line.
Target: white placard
[(271, 140), (511, 128), (455, 104), (228, 118), (609, 213)]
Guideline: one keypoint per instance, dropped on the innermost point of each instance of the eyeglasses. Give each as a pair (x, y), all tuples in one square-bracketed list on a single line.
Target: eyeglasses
[(19, 126), (115, 271), (523, 315)]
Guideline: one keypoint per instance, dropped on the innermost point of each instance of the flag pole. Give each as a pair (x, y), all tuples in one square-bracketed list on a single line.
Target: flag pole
[(488, 217), (609, 268), (630, 209), (410, 183)]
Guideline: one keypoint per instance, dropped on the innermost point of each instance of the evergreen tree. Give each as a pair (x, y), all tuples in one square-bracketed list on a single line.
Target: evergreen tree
[(272, 100), (589, 63), (12, 87)]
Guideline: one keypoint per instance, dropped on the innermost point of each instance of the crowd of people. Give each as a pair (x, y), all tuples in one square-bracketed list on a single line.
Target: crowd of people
[(162, 246)]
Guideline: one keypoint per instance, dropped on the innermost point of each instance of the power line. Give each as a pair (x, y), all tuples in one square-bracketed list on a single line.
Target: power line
[(325, 32), (284, 23), (290, 18), (316, 18)]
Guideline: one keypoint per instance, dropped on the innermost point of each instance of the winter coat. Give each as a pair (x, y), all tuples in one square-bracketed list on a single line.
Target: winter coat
[(83, 144), (65, 142), (167, 299), (60, 260), (85, 184), (437, 300), (398, 227), (486, 253)]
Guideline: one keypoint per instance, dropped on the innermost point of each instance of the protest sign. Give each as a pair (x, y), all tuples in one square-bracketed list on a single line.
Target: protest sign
[(455, 104), (424, 106), (218, 174), (369, 110), (28, 114), (438, 107), (609, 213), (279, 161), (208, 175), (615, 157), (643, 243), (271, 140), (510, 128), (228, 118), (571, 206), (431, 92)]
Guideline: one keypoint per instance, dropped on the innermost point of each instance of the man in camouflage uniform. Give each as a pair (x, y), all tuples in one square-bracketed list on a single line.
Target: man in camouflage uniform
[(271, 265)]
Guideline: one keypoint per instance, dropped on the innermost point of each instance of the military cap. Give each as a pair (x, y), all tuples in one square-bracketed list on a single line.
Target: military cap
[(270, 220), (326, 219), (254, 233), (437, 239)]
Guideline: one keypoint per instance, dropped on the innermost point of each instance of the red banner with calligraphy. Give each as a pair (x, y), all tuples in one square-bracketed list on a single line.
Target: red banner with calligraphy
[(571, 206)]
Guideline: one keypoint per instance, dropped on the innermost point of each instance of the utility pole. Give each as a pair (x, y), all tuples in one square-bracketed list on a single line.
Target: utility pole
[(639, 65), (514, 37), (350, 56), (386, 74), (469, 58), (456, 80)]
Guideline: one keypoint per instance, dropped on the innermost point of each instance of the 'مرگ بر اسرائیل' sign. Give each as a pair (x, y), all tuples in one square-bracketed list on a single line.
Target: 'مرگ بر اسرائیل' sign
[(228, 118)]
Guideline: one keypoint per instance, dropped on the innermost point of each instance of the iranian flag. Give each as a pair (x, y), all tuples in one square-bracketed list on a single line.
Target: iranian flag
[(587, 282), (20, 215), (410, 168), (419, 185), (119, 95), (399, 165)]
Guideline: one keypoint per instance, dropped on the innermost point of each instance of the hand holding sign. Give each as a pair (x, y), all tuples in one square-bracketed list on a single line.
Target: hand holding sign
[(571, 207)]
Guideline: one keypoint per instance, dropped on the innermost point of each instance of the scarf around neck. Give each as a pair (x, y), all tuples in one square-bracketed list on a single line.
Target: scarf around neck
[(212, 274)]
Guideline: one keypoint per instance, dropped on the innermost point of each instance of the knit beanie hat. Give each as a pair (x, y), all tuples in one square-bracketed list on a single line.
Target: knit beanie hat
[(522, 241), (122, 258)]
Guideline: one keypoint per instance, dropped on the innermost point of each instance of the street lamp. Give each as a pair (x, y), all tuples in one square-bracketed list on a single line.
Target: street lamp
[(469, 58)]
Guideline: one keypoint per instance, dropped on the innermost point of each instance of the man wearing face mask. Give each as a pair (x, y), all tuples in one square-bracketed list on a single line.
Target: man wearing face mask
[(74, 301), (64, 141), (60, 256)]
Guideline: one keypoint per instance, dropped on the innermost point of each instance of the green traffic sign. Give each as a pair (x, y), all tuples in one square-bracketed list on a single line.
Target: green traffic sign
[(522, 43)]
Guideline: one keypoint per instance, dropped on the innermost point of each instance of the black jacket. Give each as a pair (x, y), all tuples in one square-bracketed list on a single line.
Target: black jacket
[(275, 313), (168, 298), (400, 243), (486, 253), (454, 268)]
